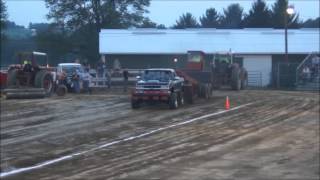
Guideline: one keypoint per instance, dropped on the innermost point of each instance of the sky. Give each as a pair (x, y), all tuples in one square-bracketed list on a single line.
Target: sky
[(166, 12)]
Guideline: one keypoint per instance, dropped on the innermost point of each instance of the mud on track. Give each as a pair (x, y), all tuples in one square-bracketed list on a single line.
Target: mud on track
[(275, 137)]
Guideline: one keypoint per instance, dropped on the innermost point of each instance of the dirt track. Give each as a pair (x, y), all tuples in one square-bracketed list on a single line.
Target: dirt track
[(275, 137)]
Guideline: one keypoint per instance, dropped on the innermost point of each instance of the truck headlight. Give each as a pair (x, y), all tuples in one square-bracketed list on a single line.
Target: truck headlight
[(164, 87), (139, 91)]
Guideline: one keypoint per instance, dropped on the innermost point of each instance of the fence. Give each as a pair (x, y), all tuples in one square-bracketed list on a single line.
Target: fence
[(286, 75), (311, 61), (116, 78)]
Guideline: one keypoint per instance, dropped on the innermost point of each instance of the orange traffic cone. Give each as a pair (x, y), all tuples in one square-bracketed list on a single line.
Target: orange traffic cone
[(227, 104)]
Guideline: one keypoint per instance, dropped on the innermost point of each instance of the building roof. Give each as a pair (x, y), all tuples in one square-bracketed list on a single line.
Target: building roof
[(241, 41)]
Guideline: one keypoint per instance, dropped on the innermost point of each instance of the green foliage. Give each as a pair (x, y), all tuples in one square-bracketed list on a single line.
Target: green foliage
[(52, 40), (279, 13), (3, 14), (211, 19), (259, 16), (186, 21), (161, 26), (312, 23), (85, 19), (147, 23), (232, 16), (17, 39), (3, 19)]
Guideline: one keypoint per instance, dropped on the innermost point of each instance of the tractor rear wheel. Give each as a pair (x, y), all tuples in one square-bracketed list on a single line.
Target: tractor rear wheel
[(235, 78), (44, 80), (208, 93), (244, 78), (12, 78)]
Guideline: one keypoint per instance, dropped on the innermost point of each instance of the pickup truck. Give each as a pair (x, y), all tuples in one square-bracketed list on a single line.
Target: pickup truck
[(158, 85)]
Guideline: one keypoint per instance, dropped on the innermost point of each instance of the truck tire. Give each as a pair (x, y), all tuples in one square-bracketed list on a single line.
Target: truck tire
[(188, 94), (61, 90), (181, 99), (44, 80), (173, 101), (135, 104), (12, 78), (235, 78)]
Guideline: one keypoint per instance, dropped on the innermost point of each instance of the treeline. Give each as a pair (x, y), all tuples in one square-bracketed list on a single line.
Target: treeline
[(74, 32), (259, 16)]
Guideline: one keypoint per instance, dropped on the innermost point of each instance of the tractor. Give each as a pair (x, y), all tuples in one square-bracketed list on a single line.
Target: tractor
[(203, 75), (31, 77), (226, 72)]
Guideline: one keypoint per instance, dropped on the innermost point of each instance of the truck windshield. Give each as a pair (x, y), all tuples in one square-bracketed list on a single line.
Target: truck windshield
[(71, 69), (162, 76)]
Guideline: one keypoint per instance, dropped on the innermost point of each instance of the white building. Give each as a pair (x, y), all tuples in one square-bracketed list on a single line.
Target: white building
[(257, 49)]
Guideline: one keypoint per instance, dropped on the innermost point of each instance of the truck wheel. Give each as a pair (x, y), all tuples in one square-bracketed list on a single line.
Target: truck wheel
[(44, 80), (135, 104), (173, 101), (61, 90), (12, 78), (188, 94), (235, 79), (181, 99)]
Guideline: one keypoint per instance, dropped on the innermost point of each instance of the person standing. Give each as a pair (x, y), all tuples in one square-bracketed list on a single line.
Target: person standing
[(76, 81), (108, 75), (125, 80), (101, 67), (86, 81)]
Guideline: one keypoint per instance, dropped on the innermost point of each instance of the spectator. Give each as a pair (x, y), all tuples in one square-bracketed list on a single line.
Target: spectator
[(86, 81), (108, 75), (76, 81), (125, 80), (101, 67), (306, 74)]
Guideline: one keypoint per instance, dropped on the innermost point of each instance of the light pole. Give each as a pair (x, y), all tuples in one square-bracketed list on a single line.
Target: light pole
[(175, 60), (289, 11)]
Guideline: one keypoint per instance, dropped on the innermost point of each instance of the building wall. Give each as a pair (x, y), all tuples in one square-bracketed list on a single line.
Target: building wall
[(258, 64)]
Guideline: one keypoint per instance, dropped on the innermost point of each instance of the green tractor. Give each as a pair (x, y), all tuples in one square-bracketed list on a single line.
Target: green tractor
[(226, 72)]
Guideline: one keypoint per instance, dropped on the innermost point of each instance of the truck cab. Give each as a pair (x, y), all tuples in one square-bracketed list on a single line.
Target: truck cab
[(158, 85)]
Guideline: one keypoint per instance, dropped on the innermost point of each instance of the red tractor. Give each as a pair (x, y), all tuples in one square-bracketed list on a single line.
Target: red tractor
[(202, 76), (31, 77)]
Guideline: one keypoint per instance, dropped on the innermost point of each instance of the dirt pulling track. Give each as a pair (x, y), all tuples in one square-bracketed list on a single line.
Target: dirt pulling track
[(267, 135)]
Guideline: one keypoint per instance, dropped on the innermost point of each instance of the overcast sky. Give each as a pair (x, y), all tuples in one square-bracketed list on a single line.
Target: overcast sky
[(166, 12)]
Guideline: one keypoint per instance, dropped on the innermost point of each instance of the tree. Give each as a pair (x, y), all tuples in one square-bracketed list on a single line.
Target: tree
[(51, 39), (90, 16), (232, 16), (211, 19), (186, 21), (147, 23), (161, 26), (3, 18), (259, 16), (278, 16), (312, 23)]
